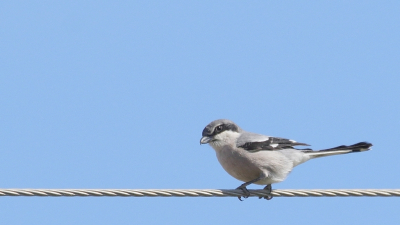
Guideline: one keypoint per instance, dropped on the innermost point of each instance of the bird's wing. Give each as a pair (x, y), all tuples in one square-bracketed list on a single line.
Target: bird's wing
[(257, 142)]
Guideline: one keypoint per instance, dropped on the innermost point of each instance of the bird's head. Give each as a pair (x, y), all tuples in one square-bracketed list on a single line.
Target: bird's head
[(220, 132)]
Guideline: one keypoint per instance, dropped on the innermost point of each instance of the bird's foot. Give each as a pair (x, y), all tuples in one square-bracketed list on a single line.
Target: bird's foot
[(269, 196), (246, 193)]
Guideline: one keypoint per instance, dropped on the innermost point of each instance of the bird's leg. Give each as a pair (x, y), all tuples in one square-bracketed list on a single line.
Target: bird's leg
[(244, 189), (268, 188)]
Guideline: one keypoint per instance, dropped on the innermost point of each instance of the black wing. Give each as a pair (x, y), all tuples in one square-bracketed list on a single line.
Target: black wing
[(273, 143)]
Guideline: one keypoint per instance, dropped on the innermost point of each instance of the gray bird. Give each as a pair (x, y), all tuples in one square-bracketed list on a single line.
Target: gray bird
[(260, 159)]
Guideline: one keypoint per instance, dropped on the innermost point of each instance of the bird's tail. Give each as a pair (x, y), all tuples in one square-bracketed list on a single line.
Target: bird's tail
[(343, 149)]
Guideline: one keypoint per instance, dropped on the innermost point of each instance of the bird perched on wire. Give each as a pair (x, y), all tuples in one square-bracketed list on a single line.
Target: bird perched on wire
[(260, 159)]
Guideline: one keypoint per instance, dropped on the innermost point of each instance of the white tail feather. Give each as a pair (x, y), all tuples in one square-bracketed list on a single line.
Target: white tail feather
[(343, 149)]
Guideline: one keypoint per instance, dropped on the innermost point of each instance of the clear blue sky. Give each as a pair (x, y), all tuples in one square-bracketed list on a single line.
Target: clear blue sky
[(115, 94)]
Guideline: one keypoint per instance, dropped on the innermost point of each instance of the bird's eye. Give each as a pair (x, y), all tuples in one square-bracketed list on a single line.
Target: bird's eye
[(219, 128)]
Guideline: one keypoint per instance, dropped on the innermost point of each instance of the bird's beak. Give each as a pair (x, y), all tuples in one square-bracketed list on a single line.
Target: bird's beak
[(205, 140)]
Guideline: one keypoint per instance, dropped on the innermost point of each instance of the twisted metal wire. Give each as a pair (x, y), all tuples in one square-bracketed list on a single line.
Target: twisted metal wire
[(199, 192)]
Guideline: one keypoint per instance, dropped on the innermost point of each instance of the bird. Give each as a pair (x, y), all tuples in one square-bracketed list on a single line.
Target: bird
[(259, 159)]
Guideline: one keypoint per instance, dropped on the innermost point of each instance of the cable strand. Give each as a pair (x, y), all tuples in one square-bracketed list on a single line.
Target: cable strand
[(199, 192)]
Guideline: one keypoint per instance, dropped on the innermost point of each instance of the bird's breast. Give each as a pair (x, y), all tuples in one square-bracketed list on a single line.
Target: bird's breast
[(238, 163)]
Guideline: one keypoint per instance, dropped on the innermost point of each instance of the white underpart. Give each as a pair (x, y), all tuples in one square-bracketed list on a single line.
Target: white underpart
[(226, 137), (273, 166), (274, 145)]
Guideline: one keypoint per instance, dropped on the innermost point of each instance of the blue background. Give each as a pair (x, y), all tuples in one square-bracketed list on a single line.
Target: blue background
[(102, 94)]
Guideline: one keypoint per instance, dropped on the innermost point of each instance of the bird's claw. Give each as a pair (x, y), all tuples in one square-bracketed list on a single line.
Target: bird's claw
[(269, 196), (246, 193)]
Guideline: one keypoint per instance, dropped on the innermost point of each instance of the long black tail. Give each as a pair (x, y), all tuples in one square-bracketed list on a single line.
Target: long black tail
[(343, 149)]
